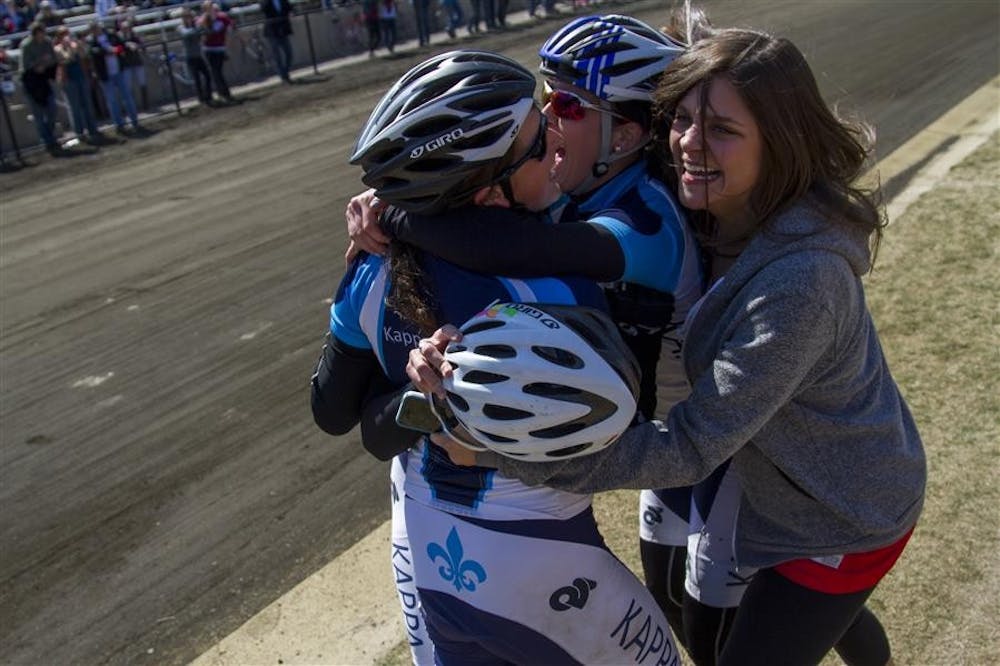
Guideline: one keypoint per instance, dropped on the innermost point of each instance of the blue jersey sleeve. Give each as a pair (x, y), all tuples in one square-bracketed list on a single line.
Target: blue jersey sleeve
[(345, 313), (651, 259)]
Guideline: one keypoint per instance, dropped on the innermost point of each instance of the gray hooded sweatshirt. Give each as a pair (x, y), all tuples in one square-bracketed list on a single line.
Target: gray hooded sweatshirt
[(789, 380)]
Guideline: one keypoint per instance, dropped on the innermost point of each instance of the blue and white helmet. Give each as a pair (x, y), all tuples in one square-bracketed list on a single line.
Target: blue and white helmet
[(443, 121), (617, 58)]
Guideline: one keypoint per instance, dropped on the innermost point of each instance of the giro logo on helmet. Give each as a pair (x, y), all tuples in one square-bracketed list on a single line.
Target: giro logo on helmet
[(434, 144)]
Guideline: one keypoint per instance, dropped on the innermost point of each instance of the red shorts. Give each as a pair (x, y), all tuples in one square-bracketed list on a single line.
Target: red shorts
[(844, 574)]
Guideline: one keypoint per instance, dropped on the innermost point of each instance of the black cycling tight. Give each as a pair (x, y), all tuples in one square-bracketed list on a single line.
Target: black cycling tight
[(782, 623), (663, 570)]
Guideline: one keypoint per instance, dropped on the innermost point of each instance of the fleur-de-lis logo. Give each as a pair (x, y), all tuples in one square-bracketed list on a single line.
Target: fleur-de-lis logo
[(574, 595), (460, 572)]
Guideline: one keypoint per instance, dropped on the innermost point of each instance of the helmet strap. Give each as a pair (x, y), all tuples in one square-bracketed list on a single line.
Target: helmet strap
[(604, 159), (608, 156), (508, 193)]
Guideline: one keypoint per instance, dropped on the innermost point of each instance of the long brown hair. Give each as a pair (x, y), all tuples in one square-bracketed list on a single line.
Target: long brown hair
[(807, 149), (408, 293)]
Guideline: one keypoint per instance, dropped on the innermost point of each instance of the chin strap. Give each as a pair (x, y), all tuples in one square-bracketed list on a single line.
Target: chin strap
[(607, 156)]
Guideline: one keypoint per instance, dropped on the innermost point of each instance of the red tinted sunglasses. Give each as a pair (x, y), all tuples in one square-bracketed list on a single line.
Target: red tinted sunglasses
[(568, 105)]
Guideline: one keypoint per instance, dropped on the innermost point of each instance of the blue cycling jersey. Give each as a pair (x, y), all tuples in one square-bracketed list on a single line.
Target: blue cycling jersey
[(360, 318)]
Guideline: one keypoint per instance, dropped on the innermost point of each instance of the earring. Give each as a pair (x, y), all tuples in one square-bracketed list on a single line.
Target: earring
[(616, 149)]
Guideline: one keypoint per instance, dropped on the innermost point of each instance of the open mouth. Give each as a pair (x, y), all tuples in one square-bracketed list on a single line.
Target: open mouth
[(698, 173)]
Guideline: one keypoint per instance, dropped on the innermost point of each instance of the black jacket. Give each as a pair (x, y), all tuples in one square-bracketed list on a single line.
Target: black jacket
[(97, 53), (277, 22)]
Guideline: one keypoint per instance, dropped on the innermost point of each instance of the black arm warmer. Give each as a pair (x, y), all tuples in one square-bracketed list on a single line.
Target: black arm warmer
[(500, 241), (342, 379), (379, 433), (349, 386)]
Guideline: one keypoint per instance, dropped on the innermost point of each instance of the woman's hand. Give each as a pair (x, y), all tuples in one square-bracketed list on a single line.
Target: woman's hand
[(427, 366), (362, 216), (459, 454)]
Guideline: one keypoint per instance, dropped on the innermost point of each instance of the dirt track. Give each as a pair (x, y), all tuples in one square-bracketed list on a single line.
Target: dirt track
[(162, 307)]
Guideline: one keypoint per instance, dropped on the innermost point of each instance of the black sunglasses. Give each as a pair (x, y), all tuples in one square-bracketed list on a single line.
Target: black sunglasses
[(537, 151)]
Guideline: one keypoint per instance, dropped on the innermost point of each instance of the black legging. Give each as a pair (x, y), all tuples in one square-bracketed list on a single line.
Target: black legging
[(202, 82), (663, 570), (782, 623), (216, 60)]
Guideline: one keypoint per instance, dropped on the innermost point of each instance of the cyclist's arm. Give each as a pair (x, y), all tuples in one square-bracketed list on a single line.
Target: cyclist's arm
[(349, 387), (505, 242), (381, 436)]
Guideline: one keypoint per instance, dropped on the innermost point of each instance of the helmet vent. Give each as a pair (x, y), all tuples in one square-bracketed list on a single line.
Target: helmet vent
[(627, 67), (490, 136), (568, 451), (611, 47), (454, 348), (503, 413), (496, 351), (557, 391), (390, 151), (483, 377), (497, 438), (432, 127), (586, 333), (560, 430), (558, 356), (458, 402), (482, 326)]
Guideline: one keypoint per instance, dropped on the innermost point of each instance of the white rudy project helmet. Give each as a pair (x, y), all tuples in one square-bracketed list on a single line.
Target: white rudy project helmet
[(542, 383), (617, 58), (442, 122)]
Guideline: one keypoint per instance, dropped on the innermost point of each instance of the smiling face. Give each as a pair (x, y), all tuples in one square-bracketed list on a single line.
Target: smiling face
[(717, 150)]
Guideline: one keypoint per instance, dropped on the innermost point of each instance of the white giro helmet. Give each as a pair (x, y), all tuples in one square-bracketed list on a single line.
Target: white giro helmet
[(542, 382)]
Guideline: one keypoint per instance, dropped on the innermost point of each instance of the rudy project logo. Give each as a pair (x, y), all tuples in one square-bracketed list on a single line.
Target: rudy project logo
[(434, 144), (512, 310)]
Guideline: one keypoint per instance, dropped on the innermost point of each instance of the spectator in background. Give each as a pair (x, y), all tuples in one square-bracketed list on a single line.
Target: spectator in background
[(502, 13), (38, 68), (24, 13), (421, 14), (191, 35), (387, 22), (134, 62), (278, 30), (8, 18), (73, 75), (370, 11), (217, 25), (489, 13), (106, 49), (453, 10), (47, 15), (475, 15), (104, 7)]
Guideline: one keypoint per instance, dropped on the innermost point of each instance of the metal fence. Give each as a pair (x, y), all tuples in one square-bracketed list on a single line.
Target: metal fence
[(321, 32)]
